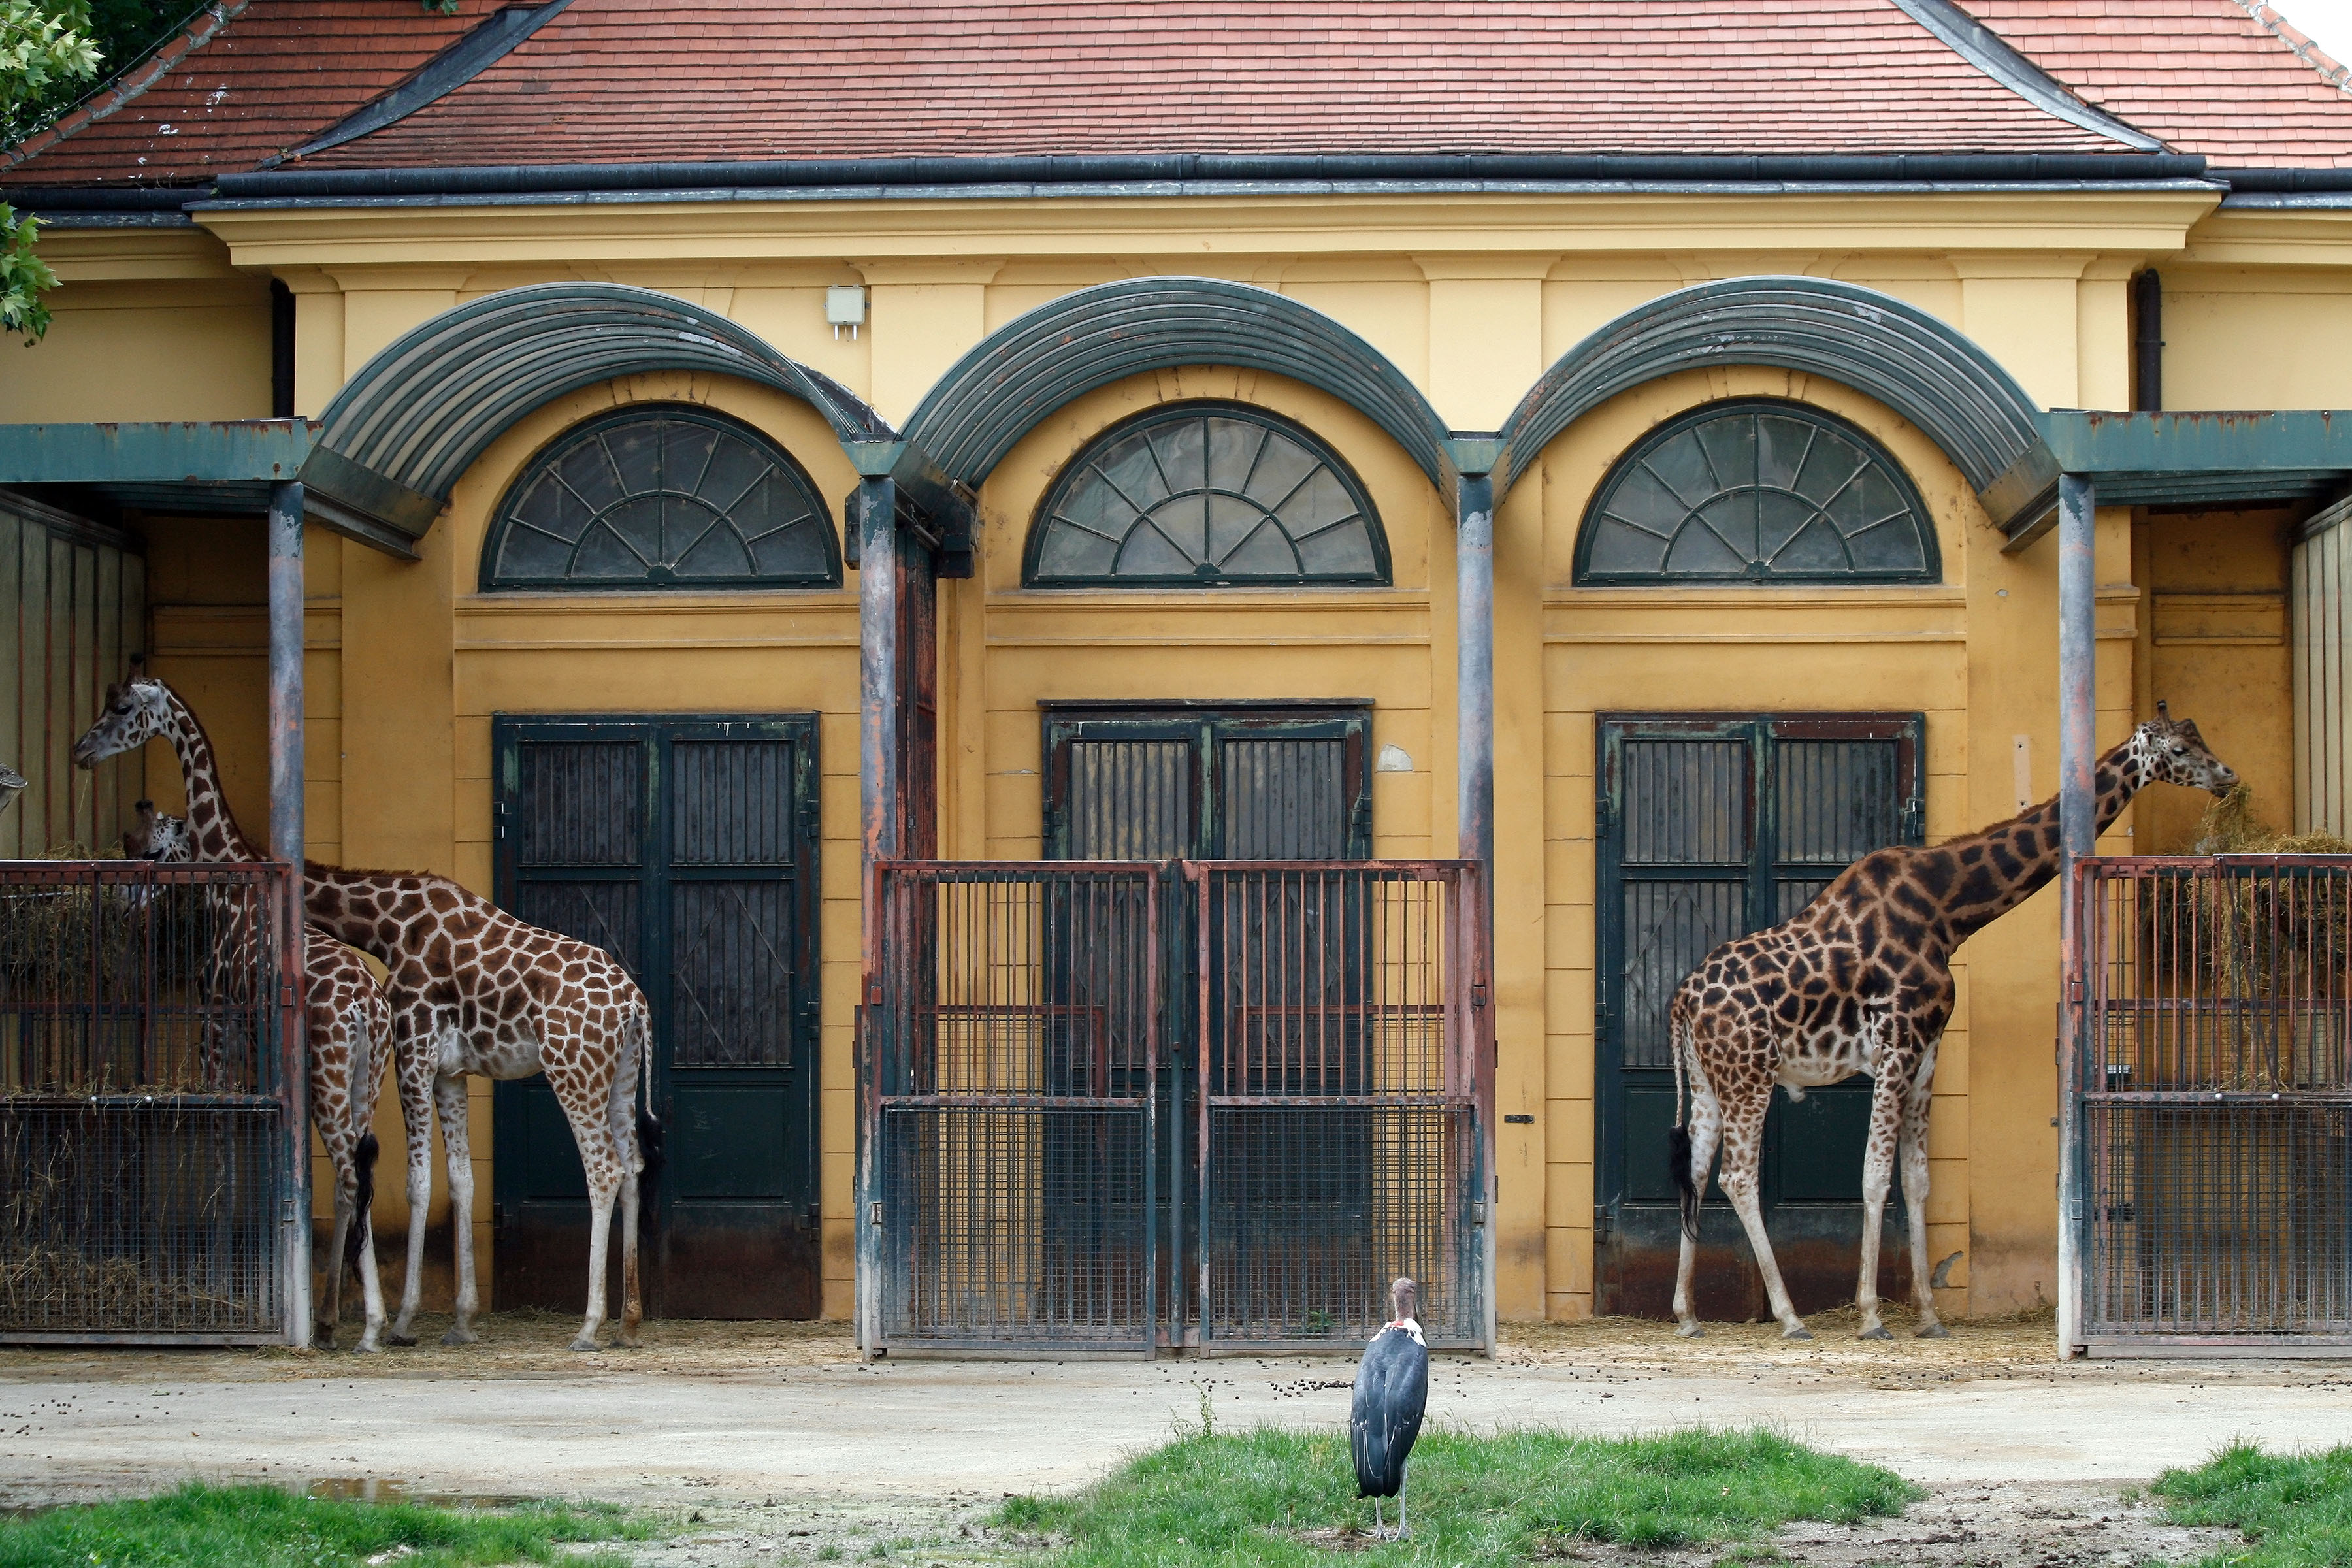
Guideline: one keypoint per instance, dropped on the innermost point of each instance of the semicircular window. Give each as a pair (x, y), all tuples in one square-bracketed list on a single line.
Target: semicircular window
[(661, 498), (1757, 491), (1206, 496)]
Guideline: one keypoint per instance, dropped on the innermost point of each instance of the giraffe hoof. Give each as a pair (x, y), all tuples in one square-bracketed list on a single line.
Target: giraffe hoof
[(457, 1336), (397, 1338), (1692, 1330), (323, 1337), (367, 1347), (1798, 1332), (1933, 1332), (585, 1345), (1875, 1331)]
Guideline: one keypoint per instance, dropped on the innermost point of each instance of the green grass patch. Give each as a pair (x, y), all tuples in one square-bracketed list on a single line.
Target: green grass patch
[(1270, 1498), (200, 1526), (2295, 1510)]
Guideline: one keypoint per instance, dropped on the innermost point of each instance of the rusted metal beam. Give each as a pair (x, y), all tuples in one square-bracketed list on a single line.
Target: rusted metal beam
[(2078, 837), (876, 503), (1474, 632), (285, 843)]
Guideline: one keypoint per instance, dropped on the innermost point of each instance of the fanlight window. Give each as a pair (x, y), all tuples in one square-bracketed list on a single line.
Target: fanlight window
[(1757, 492), (1206, 495), (661, 498)]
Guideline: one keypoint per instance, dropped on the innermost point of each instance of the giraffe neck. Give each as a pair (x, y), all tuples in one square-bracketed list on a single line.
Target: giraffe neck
[(2021, 856), (212, 832)]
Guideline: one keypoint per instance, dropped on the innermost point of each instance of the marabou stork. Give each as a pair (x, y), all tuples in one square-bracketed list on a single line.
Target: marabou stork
[(11, 783), (1391, 1392)]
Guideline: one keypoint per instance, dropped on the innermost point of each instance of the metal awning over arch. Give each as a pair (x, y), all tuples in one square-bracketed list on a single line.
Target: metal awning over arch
[(1041, 361), (1878, 345), (400, 432)]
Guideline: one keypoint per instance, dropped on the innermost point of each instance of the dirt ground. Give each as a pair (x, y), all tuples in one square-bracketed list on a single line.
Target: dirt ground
[(774, 1444)]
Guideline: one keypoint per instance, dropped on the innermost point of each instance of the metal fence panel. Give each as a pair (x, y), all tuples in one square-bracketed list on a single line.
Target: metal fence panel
[(148, 1116), (2214, 1066)]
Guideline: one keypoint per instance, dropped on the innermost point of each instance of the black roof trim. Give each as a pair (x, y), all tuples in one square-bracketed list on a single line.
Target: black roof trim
[(444, 73), (520, 179), (2286, 179)]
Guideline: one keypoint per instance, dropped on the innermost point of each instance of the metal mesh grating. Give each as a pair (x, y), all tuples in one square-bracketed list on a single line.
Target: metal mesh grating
[(2216, 1097), (144, 1106)]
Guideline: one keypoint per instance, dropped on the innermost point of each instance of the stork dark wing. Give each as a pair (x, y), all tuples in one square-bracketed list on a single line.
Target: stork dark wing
[(1391, 1392)]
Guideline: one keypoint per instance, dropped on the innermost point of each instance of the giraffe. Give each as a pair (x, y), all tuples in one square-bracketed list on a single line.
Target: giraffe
[(1860, 982), (348, 1020), (349, 1031), (483, 992)]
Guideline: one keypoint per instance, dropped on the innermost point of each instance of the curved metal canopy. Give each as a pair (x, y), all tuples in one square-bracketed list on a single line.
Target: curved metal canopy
[(398, 434), (1874, 342), (1061, 351)]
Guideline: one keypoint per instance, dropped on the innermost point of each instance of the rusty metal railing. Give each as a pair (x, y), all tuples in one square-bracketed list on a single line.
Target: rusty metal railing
[(151, 1130), (2212, 1069), (1114, 1106)]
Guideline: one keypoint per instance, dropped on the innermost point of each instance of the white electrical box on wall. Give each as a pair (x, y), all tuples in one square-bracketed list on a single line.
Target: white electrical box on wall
[(845, 306)]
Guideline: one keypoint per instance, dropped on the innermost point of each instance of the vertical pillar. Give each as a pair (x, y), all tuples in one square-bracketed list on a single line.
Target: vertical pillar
[(1474, 631), (2078, 833), (286, 592), (879, 812)]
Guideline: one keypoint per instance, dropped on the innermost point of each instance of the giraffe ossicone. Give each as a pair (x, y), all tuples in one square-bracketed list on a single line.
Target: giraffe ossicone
[(1860, 981)]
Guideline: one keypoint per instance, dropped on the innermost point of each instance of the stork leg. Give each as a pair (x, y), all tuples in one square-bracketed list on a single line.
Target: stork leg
[(1379, 1530), (1405, 1478)]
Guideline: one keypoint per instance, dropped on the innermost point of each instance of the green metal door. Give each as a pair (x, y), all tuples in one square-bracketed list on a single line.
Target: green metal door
[(1713, 825), (688, 848)]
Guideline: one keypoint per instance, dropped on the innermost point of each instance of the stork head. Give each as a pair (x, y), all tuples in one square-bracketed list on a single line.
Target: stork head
[(2170, 751), (137, 710), (12, 782), (1403, 1294)]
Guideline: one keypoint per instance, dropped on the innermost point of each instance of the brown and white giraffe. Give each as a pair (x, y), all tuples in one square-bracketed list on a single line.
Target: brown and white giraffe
[(1860, 981), (347, 1018), (348, 1039), (483, 992)]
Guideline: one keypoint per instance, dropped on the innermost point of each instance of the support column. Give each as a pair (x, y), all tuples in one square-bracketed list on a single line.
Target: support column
[(1474, 631), (286, 595), (2078, 835), (877, 502)]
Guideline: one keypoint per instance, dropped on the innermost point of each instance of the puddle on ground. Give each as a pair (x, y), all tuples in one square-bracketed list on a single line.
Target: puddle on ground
[(387, 1488)]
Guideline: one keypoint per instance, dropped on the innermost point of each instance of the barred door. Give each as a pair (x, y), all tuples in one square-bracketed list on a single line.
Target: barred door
[(1712, 826), (687, 849)]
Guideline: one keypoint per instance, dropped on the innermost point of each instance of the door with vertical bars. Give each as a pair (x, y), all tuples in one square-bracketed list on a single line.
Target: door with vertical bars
[(1711, 825), (688, 848)]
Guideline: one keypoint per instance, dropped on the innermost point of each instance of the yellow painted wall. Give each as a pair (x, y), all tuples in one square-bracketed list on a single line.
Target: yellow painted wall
[(1470, 298)]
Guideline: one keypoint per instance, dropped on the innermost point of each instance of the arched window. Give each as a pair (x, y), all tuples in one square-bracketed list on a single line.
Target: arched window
[(661, 498), (1757, 491), (1206, 495)]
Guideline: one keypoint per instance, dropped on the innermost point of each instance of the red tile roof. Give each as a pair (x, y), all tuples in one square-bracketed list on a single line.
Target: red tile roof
[(2233, 81), (622, 82), (247, 79)]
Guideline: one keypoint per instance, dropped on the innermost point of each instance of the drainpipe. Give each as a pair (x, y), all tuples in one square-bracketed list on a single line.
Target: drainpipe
[(1474, 459), (2148, 340), (874, 513), (2078, 836), (285, 843)]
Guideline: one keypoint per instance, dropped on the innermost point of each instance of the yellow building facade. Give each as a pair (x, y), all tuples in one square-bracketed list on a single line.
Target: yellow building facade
[(1471, 297)]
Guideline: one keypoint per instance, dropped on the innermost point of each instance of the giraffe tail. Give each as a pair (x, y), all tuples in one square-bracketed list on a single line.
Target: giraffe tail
[(649, 1127), (1678, 1138), (355, 1240)]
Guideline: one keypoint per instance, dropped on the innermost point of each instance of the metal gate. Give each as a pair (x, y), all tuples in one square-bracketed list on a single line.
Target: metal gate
[(2213, 1087), (1022, 1189), (151, 1144)]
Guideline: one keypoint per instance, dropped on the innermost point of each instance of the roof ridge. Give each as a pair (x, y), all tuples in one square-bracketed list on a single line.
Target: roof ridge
[(200, 27), (2299, 44), (1993, 54), (465, 58)]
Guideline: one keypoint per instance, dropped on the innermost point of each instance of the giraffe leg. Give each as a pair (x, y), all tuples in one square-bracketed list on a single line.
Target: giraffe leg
[(1706, 1126), (1915, 1201), (1743, 1151), (621, 1123), (589, 1105), (366, 1074), (414, 1082), (330, 1301), (1886, 1098), (457, 1144)]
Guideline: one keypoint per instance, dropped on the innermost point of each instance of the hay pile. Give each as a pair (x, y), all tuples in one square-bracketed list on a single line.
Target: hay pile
[(2232, 826)]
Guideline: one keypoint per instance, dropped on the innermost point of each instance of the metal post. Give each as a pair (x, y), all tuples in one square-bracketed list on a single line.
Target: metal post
[(285, 843), (1473, 633), (879, 812), (2078, 831)]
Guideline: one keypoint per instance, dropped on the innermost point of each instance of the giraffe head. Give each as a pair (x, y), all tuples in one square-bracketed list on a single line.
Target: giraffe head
[(137, 710), (158, 838), (2170, 751), (12, 782)]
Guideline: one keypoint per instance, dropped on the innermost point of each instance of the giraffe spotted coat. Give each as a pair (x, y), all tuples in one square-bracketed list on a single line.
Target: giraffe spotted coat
[(1860, 982)]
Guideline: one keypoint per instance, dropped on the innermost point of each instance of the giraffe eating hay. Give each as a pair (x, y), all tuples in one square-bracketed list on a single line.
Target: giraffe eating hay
[(483, 992), (348, 1022), (1860, 982)]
